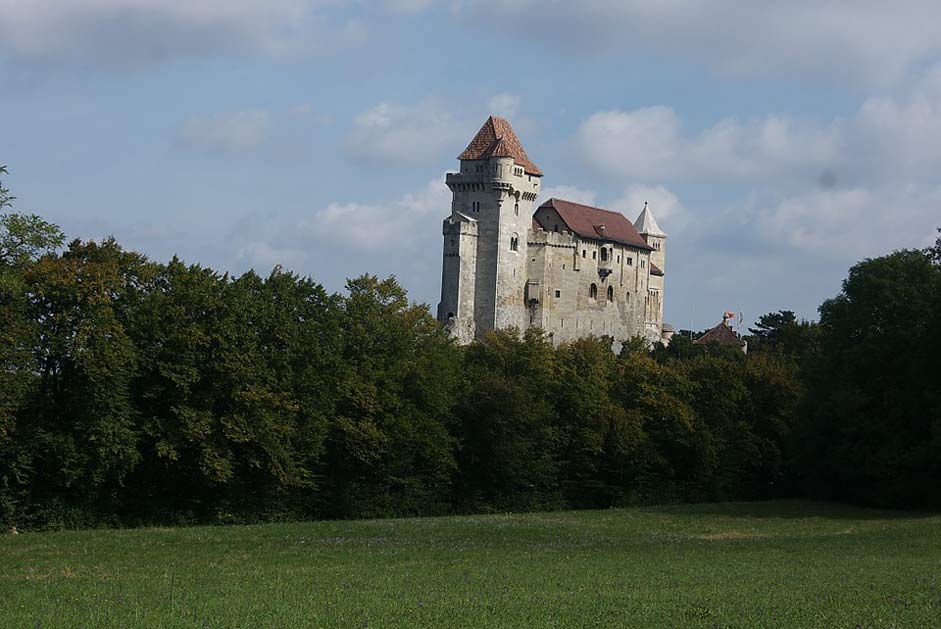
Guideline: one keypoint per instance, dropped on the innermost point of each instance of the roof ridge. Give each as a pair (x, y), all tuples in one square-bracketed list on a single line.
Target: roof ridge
[(590, 207)]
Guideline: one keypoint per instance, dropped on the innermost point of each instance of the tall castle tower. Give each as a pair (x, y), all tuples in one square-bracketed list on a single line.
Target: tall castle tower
[(655, 237), (483, 278)]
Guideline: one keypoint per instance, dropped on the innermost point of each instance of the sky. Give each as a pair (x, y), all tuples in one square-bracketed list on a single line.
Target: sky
[(776, 143)]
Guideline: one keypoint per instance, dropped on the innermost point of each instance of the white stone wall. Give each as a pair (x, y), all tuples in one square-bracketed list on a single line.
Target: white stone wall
[(489, 278), (563, 267), (458, 276)]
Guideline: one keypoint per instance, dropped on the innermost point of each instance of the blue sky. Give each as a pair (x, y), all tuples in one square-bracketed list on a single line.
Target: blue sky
[(777, 143)]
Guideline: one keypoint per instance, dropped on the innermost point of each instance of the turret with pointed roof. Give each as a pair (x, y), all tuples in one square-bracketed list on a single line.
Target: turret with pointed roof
[(646, 224)]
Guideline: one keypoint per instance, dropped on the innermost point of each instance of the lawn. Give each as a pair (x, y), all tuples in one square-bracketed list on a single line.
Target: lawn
[(790, 564)]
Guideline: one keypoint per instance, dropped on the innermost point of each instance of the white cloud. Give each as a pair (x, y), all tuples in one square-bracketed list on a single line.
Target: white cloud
[(664, 204), (868, 42), (648, 143), (345, 239), (851, 224), (568, 193), (229, 132), (504, 105), (394, 226), (129, 33), (408, 6), (397, 135)]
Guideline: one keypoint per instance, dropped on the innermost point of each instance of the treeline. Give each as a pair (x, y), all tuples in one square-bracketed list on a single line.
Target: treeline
[(135, 392)]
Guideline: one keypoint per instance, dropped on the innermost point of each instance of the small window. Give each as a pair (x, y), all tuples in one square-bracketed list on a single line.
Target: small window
[(594, 255), (610, 293), (604, 254), (643, 264), (593, 291), (558, 294), (584, 253), (619, 259), (516, 208), (556, 228), (630, 261), (563, 267), (514, 243)]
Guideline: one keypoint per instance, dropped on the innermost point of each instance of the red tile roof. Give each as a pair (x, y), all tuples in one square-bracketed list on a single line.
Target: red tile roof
[(722, 334), (496, 139), (655, 270), (596, 223)]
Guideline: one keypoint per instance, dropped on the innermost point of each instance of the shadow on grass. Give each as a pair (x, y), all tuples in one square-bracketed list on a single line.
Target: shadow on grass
[(786, 509)]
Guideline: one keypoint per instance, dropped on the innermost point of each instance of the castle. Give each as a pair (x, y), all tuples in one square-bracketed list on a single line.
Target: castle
[(570, 269)]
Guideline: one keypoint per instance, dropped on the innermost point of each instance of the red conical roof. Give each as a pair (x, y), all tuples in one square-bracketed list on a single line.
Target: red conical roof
[(496, 139)]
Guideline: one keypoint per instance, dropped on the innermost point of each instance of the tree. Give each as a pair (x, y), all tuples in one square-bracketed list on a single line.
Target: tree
[(389, 451), (934, 252), (873, 428), (5, 199), (505, 429), (23, 238)]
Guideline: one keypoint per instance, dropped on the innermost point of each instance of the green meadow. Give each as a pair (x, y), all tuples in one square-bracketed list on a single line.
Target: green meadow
[(771, 564)]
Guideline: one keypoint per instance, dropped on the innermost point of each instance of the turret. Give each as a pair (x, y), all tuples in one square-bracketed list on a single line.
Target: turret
[(654, 236)]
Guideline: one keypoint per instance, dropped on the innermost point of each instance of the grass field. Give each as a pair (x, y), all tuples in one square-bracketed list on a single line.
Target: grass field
[(729, 565)]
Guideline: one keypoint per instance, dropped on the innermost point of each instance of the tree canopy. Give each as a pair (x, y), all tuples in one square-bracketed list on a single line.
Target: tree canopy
[(133, 391)]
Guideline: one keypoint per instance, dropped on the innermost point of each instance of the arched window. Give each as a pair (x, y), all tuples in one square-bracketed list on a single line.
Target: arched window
[(516, 208), (514, 243), (593, 291), (610, 293)]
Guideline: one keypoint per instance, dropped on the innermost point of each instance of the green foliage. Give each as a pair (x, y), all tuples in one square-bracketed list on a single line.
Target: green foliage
[(506, 424), (135, 392), (873, 429), (5, 199), (780, 332), (934, 252), (25, 237)]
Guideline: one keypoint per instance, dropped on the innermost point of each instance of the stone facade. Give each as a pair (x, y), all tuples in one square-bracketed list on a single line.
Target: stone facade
[(570, 269)]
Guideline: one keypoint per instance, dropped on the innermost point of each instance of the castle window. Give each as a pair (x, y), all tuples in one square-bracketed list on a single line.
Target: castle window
[(610, 293), (593, 291), (584, 253), (558, 294), (516, 208), (594, 255), (619, 259), (604, 254), (514, 243), (643, 264), (630, 261)]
